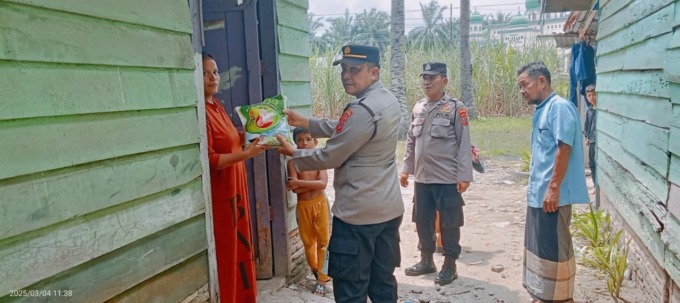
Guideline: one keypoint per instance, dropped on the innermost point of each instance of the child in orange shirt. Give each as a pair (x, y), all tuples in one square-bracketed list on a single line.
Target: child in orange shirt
[(312, 210)]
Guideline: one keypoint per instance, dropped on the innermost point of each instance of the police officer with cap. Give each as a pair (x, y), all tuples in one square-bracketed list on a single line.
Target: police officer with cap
[(368, 208), (438, 155)]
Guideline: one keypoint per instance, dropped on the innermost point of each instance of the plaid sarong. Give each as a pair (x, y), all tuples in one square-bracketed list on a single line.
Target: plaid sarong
[(549, 264)]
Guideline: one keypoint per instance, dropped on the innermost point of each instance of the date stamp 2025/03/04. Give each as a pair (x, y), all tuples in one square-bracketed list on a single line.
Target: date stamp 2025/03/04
[(41, 293)]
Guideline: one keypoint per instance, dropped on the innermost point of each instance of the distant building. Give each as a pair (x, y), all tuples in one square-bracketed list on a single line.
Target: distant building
[(521, 29)]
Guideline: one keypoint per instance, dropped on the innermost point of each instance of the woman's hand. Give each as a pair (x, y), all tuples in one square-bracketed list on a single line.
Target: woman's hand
[(255, 148)]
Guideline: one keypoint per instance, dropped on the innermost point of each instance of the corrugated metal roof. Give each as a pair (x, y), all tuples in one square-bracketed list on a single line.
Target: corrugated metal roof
[(556, 6)]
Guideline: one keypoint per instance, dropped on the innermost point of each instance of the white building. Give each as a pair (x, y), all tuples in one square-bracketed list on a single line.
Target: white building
[(521, 29)]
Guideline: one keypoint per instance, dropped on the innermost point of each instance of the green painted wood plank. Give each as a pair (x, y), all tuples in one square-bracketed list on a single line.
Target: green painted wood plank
[(122, 269), (675, 121), (294, 68), (675, 92), (36, 34), (675, 41), (635, 31), (673, 202), (676, 22), (37, 201), (671, 235), (612, 7), (301, 3), (292, 16), (174, 285), (647, 83), (305, 110), (672, 265), (674, 142), (657, 111), (77, 89), (611, 62), (170, 15), (298, 93), (35, 145), (36, 256), (648, 143), (656, 183), (636, 193), (672, 68), (636, 11), (294, 42), (609, 123), (641, 56), (631, 213)]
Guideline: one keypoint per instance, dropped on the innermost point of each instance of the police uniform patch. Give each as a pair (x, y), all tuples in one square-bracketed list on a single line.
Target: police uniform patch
[(341, 122), (463, 117), (446, 108)]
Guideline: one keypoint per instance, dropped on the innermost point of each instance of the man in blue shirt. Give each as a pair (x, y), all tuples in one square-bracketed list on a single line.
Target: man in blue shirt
[(556, 181)]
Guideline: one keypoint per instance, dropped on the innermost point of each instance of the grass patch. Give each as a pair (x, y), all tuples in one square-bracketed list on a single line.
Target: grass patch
[(502, 136)]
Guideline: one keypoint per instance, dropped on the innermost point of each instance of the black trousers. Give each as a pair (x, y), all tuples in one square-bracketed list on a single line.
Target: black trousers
[(446, 199), (362, 261), (592, 148)]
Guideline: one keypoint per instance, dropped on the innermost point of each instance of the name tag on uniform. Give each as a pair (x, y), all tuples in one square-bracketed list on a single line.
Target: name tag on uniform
[(442, 115)]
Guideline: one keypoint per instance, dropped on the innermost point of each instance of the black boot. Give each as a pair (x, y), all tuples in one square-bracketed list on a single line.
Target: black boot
[(425, 266), (448, 272)]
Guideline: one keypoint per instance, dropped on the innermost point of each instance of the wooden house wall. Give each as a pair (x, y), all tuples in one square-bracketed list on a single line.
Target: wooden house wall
[(639, 121), (100, 170), (295, 76)]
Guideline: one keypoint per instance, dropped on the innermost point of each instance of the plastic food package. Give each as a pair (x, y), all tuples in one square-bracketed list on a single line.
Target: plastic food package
[(265, 120)]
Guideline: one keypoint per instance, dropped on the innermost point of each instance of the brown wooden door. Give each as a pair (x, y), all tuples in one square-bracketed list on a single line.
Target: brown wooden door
[(232, 35)]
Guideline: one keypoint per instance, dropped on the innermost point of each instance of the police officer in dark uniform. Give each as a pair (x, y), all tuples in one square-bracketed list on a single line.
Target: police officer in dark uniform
[(368, 208), (438, 153)]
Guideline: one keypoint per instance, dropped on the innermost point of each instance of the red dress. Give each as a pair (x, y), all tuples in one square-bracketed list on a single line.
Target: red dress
[(231, 212)]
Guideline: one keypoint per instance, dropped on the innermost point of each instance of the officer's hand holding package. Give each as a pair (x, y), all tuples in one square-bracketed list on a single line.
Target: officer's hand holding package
[(294, 119)]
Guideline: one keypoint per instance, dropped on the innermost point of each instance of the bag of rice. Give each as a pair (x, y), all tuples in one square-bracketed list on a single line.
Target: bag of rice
[(265, 120)]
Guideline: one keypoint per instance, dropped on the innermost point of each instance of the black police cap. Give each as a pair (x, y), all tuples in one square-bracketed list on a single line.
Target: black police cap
[(434, 68), (359, 54)]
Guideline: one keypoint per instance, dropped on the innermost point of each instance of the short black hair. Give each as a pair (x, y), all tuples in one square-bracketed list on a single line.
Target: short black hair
[(207, 55), (535, 69), (299, 131), (590, 88)]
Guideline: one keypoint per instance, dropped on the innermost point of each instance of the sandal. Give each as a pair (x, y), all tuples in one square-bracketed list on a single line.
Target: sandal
[(320, 290)]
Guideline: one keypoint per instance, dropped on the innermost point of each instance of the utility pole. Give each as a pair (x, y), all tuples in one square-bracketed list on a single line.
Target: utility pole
[(451, 21)]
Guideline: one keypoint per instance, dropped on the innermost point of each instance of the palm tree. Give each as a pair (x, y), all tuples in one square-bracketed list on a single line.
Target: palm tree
[(315, 24), (340, 31), (449, 31), (429, 34), (498, 18), (466, 60), (372, 28), (398, 63)]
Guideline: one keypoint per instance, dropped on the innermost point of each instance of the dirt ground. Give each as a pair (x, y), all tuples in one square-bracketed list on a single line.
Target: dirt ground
[(493, 235)]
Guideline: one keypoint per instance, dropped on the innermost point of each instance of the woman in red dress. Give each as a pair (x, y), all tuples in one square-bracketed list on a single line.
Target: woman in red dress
[(231, 212)]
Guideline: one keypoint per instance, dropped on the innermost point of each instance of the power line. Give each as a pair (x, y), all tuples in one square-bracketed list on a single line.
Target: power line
[(418, 10)]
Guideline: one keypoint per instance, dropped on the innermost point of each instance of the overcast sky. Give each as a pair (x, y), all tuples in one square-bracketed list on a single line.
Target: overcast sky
[(335, 8)]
